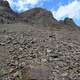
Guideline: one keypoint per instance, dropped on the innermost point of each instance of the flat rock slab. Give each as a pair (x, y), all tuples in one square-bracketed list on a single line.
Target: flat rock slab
[(39, 72)]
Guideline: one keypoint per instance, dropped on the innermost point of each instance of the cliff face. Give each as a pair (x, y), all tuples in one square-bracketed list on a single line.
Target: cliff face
[(6, 14), (5, 3)]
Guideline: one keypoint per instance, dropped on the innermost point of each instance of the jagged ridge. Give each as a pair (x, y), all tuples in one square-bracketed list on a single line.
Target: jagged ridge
[(37, 16)]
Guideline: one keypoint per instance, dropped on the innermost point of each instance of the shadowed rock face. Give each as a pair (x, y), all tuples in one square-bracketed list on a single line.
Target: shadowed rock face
[(69, 21), (0, 1), (5, 3), (6, 14)]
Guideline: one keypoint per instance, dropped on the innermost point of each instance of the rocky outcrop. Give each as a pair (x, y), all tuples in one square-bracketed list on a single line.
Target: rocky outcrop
[(5, 3), (69, 23), (6, 14)]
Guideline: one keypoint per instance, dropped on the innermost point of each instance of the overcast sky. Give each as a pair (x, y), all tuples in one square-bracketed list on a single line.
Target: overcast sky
[(59, 8)]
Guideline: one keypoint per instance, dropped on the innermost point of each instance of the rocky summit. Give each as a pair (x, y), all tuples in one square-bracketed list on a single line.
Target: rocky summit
[(35, 46)]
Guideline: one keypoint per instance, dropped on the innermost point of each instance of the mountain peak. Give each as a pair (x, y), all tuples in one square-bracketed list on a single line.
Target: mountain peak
[(69, 21), (4, 3), (6, 13), (5, 7), (38, 16)]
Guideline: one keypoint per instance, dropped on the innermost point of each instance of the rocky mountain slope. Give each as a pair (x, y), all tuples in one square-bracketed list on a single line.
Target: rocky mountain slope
[(35, 46)]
